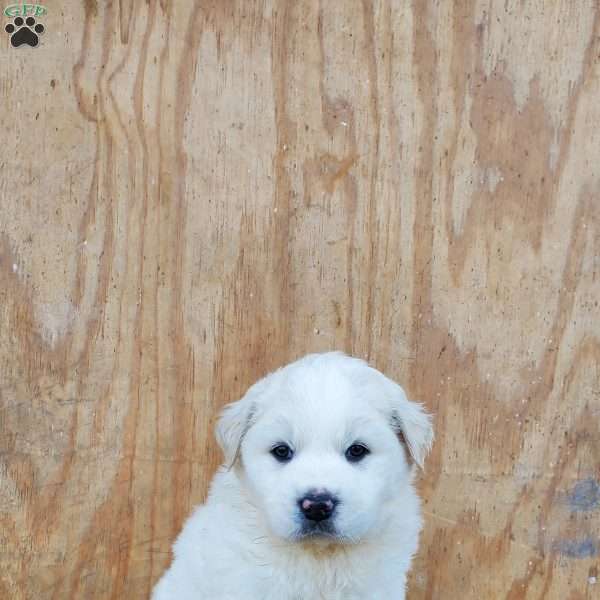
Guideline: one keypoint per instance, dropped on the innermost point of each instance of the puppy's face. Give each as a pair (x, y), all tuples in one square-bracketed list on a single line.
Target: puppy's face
[(318, 447)]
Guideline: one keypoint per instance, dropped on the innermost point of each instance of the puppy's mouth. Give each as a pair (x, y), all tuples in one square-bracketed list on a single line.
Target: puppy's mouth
[(317, 531)]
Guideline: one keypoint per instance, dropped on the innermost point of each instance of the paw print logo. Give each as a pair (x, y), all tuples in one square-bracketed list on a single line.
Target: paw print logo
[(24, 31)]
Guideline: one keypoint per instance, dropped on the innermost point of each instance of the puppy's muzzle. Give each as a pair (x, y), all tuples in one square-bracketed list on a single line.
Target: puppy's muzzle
[(317, 507)]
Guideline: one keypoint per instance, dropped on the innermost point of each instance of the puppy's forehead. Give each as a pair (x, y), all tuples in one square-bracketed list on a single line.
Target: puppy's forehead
[(318, 403), (318, 381)]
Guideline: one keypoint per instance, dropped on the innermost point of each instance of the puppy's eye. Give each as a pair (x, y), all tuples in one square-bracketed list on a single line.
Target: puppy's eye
[(356, 452), (282, 452)]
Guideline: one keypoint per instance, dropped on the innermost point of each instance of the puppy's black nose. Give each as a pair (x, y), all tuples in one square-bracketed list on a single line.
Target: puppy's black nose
[(317, 507)]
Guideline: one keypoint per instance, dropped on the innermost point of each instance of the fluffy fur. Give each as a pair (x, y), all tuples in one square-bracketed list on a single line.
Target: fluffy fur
[(250, 541)]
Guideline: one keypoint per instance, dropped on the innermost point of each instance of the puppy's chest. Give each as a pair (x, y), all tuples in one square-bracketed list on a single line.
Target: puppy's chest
[(300, 581), (299, 587), (306, 590)]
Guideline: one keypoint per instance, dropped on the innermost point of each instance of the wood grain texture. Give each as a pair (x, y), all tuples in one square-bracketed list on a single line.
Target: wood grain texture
[(194, 193)]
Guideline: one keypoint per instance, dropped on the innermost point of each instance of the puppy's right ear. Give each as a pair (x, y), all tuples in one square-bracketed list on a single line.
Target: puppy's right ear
[(235, 420)]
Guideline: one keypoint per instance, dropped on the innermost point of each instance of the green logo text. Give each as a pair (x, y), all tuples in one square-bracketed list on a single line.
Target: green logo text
[(24, 10)]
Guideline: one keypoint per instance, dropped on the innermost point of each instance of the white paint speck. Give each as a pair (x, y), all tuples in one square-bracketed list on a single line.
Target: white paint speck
[(491, 178), (14, 267), (592, 580), (55, 320), (317, 332), (344, 123)]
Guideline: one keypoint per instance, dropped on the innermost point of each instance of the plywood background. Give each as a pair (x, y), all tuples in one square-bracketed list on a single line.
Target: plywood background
[(194, 193)]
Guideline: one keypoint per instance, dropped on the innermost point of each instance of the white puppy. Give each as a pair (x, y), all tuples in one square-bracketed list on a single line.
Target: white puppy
[(316, 498)]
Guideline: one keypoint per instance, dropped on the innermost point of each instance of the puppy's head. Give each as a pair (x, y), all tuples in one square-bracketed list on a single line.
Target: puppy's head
[(324, 446)]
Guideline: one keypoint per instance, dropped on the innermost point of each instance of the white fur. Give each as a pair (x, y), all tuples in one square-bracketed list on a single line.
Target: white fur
[(244, 543)]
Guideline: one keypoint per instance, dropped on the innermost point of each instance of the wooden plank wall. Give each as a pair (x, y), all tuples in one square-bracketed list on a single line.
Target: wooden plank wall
[(194, 193)]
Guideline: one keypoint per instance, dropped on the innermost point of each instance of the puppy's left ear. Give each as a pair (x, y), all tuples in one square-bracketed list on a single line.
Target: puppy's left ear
[(413, 425), (235, 420)]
